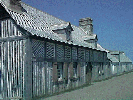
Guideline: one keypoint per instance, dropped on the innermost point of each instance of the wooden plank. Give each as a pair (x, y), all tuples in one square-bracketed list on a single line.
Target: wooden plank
[(3, 28), (9, 27), (11, 69), (6, 28), (8, 70), (2, 65), (19, 68), (37, 79), (12, 29), (5, 68), (16, 70), (46, 88), (21, 65), (43, 79)]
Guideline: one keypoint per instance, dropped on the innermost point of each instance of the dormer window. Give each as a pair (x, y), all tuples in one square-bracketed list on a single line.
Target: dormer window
[(63, 30), (68, 35)]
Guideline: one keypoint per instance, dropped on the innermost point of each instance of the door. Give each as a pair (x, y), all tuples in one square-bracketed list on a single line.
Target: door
[(88, 72)]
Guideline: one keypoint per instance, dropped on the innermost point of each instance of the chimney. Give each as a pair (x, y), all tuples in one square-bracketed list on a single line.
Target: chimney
[(14, 5), (86, 25)]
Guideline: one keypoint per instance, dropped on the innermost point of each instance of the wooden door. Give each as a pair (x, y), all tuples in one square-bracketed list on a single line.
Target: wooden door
[(88, 72)]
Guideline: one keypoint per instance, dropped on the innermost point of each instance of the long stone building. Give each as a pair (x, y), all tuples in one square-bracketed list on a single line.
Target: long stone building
[(43, 55)]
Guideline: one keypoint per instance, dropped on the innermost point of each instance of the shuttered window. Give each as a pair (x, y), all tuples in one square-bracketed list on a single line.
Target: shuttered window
[(74, 53), (87, 55), (50, 50), (60, 52), (67, 53), (38, 48), (81, 54)]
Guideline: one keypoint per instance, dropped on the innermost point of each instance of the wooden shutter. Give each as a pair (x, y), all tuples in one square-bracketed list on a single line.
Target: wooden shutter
[(71, 70), (78, 68), (55, 77), (65, 71)]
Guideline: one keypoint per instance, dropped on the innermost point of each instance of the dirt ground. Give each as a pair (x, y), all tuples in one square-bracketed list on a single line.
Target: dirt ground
[(117, 88)]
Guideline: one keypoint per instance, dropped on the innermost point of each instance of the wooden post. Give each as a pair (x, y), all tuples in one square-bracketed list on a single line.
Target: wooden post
[(78, 68), (65, 69), (46, 89), (55, 76), (71, 73), (28, 70)]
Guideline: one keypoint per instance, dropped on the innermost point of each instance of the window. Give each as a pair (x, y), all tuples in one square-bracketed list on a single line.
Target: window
[(75, 69), (60, 71), (68, 35), (99, 72), (50, 50), (100, 69)]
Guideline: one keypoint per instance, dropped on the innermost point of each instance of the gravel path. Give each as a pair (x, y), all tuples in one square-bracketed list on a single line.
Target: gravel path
[(120, 87)]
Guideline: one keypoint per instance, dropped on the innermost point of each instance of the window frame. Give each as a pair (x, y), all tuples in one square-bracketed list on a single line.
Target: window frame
[(60, 71), (75, 69)]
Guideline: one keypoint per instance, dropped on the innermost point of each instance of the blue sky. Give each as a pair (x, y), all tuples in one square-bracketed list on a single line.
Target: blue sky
[(112, 19)]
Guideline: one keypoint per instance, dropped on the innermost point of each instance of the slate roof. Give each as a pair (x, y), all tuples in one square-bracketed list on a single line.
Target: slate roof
[(60, 26), (124, 58), (90, 37), (121, 54), (39, 23), (112, 58), (101, 48)]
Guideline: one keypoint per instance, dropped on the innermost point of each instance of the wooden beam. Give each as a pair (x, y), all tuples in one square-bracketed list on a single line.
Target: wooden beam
[(13, 38)]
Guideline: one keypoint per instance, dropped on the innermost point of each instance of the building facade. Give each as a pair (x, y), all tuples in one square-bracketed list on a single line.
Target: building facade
[(43, 55)]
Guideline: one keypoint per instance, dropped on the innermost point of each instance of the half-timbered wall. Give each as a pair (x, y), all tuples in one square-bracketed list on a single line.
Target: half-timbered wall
[(13, 68), (9, 29), (33, 60), (98, 56), (14, 61)]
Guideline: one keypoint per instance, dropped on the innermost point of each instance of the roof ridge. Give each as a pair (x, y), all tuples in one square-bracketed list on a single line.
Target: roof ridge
[(42, 11)]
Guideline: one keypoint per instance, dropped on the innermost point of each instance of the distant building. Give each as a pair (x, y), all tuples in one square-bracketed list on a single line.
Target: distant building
[(119, 62)]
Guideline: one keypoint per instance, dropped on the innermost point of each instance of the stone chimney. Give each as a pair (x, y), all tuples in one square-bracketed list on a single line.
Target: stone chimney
[(86, 25), (14, 5)]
